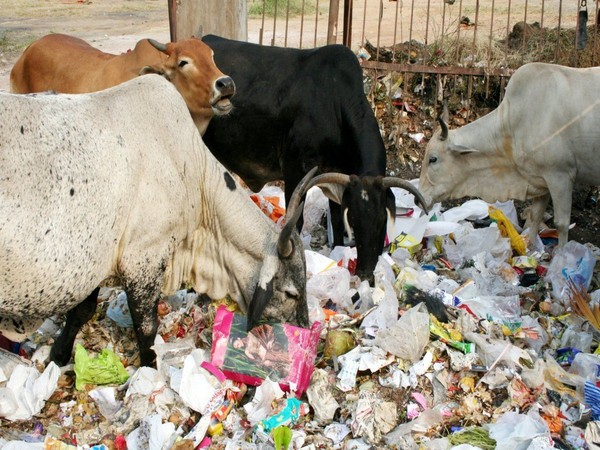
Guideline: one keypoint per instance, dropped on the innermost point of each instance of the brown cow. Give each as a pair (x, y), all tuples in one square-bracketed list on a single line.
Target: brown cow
[(67, 64)]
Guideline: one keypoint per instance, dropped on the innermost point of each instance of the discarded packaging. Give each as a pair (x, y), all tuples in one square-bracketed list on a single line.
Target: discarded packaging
[(283, 352)]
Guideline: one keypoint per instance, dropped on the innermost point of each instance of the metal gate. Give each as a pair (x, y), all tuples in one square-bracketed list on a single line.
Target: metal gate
[(466, 37)]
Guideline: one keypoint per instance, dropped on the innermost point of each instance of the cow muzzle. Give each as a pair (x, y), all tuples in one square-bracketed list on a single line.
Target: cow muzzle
[(224, 89)]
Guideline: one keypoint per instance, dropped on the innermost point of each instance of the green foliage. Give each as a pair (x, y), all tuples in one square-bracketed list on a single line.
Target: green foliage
[(255, 7)]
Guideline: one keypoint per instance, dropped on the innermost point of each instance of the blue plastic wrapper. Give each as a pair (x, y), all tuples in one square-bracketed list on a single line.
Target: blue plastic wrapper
[(118, 311), (591, 394), (566, 355)]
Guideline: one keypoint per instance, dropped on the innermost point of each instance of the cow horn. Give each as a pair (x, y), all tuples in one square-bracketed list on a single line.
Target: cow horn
[(389, 182), (294, 207), (292, 214), (444, 133), (158, 46)]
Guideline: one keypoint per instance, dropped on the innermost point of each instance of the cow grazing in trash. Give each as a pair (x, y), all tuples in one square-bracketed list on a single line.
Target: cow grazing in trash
[(67, 64), (92, 187), (542, 138), (295, 109)]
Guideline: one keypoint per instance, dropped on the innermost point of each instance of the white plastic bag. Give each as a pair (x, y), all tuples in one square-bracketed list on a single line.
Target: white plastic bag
[(574, 261), (409, 336)]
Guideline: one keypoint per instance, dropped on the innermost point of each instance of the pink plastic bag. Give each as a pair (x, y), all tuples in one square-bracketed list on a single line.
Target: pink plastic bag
[(283, 352)]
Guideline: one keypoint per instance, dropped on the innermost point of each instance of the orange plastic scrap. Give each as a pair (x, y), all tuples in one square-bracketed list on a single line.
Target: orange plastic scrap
[(270, 206), (555, 422)]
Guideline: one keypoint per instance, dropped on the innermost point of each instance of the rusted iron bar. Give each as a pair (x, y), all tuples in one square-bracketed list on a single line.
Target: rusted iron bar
[(172, 7), (287, 23), (447, 70), (347, 40), (302, 24), (334, 6)]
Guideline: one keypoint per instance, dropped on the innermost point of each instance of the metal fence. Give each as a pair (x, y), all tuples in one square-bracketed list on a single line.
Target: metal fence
[(468, 37)]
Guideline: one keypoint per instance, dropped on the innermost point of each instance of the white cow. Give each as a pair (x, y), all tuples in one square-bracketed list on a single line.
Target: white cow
[(543, 137), (119, 184)]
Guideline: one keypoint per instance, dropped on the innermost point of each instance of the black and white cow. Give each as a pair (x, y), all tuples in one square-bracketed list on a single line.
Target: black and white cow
[(295, 109), (118, 183)]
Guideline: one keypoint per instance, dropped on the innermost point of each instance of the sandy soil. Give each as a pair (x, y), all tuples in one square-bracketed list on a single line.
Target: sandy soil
[(111, 25)]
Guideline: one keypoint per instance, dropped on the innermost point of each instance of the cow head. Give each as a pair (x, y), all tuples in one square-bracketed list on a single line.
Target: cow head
[(444, 167), (367, 204), (190, 66), (281, 291)]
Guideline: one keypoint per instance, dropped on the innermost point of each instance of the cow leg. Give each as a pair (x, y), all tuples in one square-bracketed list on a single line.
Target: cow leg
[(337, 223), (76, 318), (143, 307), (561, 191), (536, 215)]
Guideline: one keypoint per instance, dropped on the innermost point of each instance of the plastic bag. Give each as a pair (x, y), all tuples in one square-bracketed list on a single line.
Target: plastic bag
[(572, 261), (106, 368), (508, 230), (409, 336), (513, 431)]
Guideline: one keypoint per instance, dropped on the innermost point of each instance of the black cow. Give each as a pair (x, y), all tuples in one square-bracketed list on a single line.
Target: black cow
[(295, 109)]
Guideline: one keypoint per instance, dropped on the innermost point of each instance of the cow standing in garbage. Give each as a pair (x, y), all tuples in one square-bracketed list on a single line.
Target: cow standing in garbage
[(543, 137), (295, 109), (94, 186)]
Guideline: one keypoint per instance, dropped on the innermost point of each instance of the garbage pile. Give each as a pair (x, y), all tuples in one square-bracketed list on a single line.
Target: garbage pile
[(471, 338)]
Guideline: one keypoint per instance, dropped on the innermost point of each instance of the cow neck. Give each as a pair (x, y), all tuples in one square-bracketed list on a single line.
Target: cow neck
[(235, 237), (492, 160)]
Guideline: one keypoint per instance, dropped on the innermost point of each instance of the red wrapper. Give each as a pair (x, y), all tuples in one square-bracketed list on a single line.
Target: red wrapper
[(282, 352)]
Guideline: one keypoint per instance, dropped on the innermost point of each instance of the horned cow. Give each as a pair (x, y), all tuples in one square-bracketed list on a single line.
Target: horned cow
[(67, 64), (295, 109), (92, 186), (542, 138)]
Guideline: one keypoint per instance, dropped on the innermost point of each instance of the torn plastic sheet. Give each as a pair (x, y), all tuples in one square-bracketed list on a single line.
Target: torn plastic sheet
[(408, 337), (514, 431), (259, 407), (152, 434), (337, 432), (106, 402), (27, 390)]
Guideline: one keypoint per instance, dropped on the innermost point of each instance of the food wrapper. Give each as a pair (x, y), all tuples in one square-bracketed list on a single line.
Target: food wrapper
[(282, 352), (289, 414), (406, 241), (438, 330)]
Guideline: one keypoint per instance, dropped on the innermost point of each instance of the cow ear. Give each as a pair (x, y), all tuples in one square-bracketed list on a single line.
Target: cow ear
[(458, 148), (347, 225), (152, 69), (390, 206), (260, 300)]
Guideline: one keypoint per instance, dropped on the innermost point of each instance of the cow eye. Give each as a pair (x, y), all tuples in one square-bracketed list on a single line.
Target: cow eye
[(432, 159), (182, 63)]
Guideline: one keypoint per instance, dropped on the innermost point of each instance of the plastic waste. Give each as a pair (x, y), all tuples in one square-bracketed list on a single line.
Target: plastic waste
[(572, 261), (514, 431), (27, 390), (320, 397), (118, 311), (106, 368), (152, 434), (408, 337)]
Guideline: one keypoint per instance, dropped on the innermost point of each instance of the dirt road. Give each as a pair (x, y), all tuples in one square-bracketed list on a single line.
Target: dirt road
[(111, 25)]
